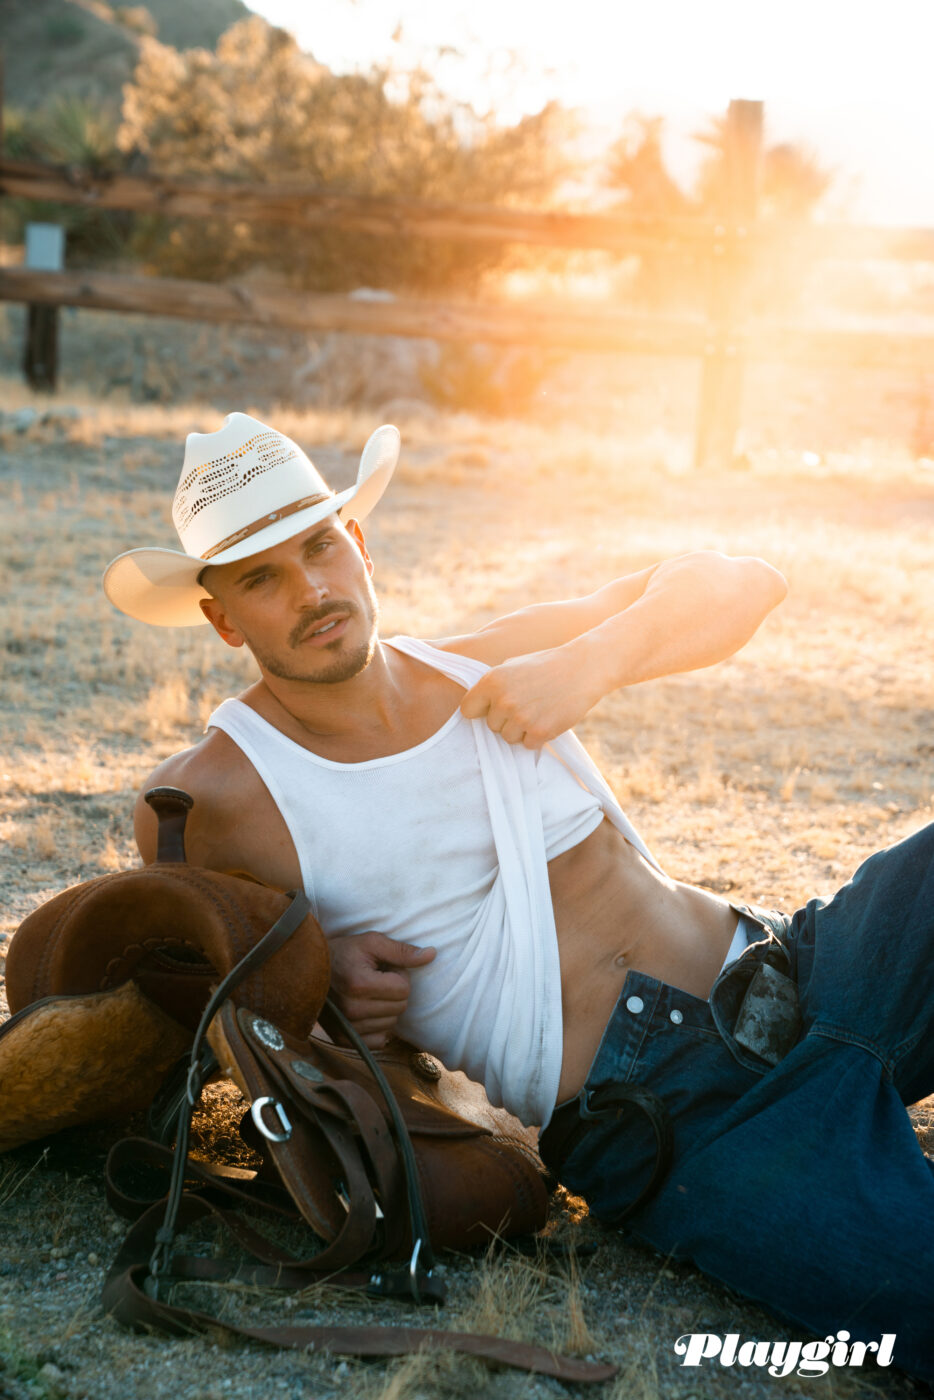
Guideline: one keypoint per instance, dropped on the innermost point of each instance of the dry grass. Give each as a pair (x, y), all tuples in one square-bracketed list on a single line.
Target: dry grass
[(769, 777)]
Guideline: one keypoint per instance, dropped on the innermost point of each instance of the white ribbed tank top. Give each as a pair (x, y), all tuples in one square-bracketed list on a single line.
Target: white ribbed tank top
[(446, 844)]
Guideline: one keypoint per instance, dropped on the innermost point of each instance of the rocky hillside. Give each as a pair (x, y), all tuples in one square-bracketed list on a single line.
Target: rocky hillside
[(87, 48)]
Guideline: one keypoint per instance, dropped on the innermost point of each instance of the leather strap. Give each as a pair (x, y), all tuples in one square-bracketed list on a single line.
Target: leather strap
[(125, 1298), (423, 1256), (281, 930)]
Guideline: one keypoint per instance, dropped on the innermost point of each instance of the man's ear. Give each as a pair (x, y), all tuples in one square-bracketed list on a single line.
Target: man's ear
[(356, 534), (214, 612)]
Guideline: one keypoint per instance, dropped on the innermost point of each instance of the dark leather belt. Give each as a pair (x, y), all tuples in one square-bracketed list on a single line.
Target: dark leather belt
[(570, 1124)]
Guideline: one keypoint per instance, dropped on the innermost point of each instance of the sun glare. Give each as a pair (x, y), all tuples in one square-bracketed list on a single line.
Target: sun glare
[(850, 82)]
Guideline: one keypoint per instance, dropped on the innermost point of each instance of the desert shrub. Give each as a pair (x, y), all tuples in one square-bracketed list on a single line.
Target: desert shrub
[(486, 378), (64, 30), (137, 19), (72, 131), (260, 109)]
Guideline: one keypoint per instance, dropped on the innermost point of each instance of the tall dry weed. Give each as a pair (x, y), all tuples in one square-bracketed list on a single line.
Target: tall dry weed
[(167, 708)]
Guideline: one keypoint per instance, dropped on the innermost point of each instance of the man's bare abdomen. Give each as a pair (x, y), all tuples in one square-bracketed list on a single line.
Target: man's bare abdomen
[(615, 914)]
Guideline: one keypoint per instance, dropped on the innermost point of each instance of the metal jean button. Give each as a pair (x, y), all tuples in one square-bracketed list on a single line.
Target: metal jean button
[(635, 1005), (676, 1016)]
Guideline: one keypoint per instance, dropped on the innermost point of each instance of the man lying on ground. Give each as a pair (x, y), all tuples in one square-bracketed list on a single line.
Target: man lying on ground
[(732, 1080)]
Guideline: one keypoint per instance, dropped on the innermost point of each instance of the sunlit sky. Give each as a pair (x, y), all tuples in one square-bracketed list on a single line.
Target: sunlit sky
[(851, 79)]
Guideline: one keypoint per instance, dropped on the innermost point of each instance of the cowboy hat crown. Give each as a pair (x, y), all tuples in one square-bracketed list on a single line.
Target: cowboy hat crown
[(242, 489)]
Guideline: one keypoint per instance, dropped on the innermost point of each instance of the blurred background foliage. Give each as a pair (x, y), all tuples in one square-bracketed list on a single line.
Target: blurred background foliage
[(214, 92), (260, 109), (221, 94), (72, 131)]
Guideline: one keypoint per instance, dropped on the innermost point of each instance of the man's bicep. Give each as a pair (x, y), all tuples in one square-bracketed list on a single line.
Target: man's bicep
[(544, 625)]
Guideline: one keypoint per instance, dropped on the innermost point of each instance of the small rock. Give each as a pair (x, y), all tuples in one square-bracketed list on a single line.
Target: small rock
[(23, 419), (51, 1374), (371, 294), (94, 1259)]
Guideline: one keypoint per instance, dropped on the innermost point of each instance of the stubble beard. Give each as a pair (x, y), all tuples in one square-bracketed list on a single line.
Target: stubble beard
[(345, 665)]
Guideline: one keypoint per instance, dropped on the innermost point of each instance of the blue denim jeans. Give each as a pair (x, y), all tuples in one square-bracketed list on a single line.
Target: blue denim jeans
[(800, 1184)]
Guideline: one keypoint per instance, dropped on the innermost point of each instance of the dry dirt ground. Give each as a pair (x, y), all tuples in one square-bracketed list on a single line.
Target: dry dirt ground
[(769, 777)]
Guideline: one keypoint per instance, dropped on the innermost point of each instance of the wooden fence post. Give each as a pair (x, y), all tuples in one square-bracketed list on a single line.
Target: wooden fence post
[(45, 250), (723, 362)]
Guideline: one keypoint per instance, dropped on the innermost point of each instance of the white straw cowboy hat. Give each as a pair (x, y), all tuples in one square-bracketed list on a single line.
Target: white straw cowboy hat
[(242, 490)]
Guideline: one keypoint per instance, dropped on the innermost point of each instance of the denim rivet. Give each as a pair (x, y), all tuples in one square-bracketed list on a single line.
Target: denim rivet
[(676, 1016), (635, 1005)]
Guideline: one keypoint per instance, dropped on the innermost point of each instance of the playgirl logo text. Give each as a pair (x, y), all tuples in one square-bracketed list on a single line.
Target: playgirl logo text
[(783, 1358)]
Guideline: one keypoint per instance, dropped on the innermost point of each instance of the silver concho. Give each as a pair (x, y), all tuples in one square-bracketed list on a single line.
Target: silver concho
[(267, 1034), (426, 1067), (306, 1071)]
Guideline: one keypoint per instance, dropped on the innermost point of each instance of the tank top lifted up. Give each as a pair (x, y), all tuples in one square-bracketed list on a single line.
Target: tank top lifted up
[(447, 844)]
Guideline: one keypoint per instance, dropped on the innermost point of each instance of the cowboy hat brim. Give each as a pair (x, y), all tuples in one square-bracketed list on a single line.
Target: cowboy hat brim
[(160, 586)]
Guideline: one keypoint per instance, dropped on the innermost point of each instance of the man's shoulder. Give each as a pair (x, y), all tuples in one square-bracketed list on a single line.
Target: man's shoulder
[(205, 770), (222, 782)]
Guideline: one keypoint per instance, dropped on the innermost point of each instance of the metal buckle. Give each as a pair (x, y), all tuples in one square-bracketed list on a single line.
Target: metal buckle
[(413, 1271), (399, 1280), (256, 1113), (340, 1190)]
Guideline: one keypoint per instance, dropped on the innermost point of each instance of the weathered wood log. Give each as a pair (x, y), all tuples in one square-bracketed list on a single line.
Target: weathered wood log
[(215, 302), (309, 207), (507, 324)]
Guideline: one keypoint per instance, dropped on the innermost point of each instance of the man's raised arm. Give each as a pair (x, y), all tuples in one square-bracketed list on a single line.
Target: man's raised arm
[(553, 662)]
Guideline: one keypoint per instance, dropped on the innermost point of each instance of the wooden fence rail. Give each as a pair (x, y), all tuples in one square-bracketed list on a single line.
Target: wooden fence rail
[(308, 207), (617, 332)]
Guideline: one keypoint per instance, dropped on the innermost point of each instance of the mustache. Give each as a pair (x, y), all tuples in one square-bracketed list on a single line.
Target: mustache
[(313, 619)]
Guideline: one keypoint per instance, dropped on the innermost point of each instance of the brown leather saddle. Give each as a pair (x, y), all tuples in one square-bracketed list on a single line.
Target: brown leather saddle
[(140, 986)]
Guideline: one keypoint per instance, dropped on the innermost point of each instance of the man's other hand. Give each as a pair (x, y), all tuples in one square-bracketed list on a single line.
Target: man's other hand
[(370, 981)]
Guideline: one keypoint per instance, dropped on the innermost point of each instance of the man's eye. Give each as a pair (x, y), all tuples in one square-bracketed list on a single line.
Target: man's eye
[(319, 545), (256, 579)]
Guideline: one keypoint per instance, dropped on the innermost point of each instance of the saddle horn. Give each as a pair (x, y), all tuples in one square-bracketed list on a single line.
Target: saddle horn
[(171, 806)]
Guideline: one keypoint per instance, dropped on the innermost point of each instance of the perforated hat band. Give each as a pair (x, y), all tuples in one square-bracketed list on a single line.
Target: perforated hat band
[(264, 520)]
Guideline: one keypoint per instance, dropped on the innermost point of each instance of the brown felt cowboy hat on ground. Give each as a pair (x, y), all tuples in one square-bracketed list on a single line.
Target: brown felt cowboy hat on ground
[(242, 490)]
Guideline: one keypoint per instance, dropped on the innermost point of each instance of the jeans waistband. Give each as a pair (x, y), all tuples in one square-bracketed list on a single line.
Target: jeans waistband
[(752, 1011)]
